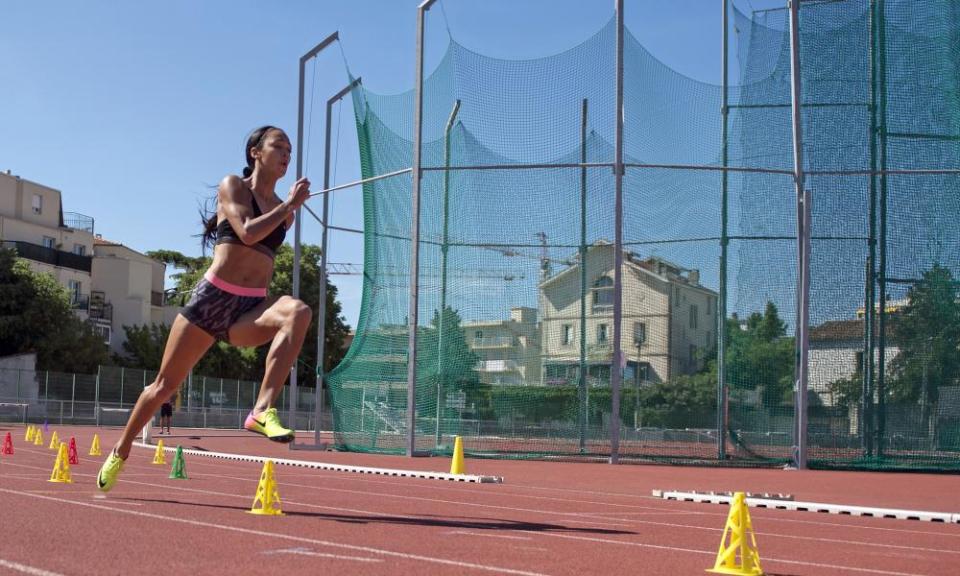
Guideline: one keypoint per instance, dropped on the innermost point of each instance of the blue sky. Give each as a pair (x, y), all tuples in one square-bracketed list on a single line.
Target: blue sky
[(134, 109)]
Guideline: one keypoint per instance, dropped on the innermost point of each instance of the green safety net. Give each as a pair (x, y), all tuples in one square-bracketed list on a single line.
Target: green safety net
[(516, 261)]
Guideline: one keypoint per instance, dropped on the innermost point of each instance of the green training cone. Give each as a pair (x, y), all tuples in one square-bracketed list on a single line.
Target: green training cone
[(177, 471)]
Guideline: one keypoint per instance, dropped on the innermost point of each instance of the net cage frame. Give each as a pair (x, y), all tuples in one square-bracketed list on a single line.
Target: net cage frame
[(872, 426)]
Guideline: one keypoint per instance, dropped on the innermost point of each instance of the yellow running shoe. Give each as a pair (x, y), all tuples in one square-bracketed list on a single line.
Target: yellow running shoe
[(112, 467), (268, 424)]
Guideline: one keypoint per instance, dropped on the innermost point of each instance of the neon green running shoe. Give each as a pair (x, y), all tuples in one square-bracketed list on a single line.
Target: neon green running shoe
[(268, 424), (112, 467)]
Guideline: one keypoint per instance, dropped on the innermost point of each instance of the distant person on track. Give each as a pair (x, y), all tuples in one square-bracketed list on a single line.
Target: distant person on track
[(230, 303), (166, 415)]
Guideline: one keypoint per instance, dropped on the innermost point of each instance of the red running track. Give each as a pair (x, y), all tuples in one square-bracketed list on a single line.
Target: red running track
[(546, 518)]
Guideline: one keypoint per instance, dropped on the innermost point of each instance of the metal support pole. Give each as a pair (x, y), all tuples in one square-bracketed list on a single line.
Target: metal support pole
[(444, 248), (296, 224), (724, 243), (866, 410), (616, 368), (412, 318), (122, 374), (73, 395), (803, 245), (324, 243), (881, 415), (582, 376)]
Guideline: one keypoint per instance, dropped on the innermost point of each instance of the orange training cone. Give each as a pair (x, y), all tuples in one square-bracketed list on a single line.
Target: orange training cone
[(456, 466), (740, 557), (72, 452), (95, 447), (267, 495), (61, 469), (8, 445)]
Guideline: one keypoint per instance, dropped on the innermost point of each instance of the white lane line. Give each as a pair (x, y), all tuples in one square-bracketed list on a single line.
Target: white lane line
[(264, 534), (765, 560), (300, 551), (468, 533), (27, 569)]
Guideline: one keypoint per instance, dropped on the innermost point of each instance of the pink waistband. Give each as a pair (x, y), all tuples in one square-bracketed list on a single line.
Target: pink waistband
[(233, 288)]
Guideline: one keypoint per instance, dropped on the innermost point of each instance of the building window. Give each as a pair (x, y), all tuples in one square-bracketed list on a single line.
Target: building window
[(676, 302), (478, 335), (693, 355), (49, 242), (858, 366), (639, 333), (603, 294), (75, 287), (79, 249), (602, 334), (709, 306), (693, 316), (37, 204), (567, 334)]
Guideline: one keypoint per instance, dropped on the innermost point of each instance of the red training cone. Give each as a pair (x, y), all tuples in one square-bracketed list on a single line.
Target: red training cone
[(8, 445), (72, 453)]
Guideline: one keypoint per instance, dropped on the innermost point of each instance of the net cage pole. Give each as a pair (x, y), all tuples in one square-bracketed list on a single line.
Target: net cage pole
[(582, 398), (803, 245), (324, 243), (444, 248), (724, 242), (616, 368), (881, 416), (412, 319), (297, 225), (866, 409)]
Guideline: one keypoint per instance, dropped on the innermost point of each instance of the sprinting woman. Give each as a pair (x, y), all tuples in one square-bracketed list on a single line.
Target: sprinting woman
[(230, 303)]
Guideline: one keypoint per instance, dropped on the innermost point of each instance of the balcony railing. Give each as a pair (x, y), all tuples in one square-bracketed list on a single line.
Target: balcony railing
[(494, 342), (80, 301), (50, 256), (78, 221), (498, 366), (100, 309)]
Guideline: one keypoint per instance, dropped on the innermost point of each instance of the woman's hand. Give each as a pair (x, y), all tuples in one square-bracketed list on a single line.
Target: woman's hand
[(299, 193)]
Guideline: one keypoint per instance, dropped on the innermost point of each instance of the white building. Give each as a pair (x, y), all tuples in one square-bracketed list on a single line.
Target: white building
[(669, 319), (837, 353), (133, 285), (509, 350)]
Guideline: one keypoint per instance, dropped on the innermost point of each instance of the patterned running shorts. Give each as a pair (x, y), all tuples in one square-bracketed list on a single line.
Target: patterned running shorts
[(215, 310)]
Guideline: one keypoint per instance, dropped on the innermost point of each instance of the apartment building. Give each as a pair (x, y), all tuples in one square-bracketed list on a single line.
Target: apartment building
[(669, 319), (32, 222), (133, 285), (509, 350), (111, 285)]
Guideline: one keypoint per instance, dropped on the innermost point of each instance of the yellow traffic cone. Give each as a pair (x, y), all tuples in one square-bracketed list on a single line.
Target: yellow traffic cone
[(456, 466), (29, 435), (267, 495), (159, 457), (61, 468), (95, 447), (38, 437), (54, 441), (740, 557)]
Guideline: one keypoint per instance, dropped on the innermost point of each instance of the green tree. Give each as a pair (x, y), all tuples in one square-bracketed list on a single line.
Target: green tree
[(445, 357), (927, 332), (761, 356), (36, 316)]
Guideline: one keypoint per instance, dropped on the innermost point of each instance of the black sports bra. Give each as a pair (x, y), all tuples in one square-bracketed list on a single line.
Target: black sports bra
[(268, 245)]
